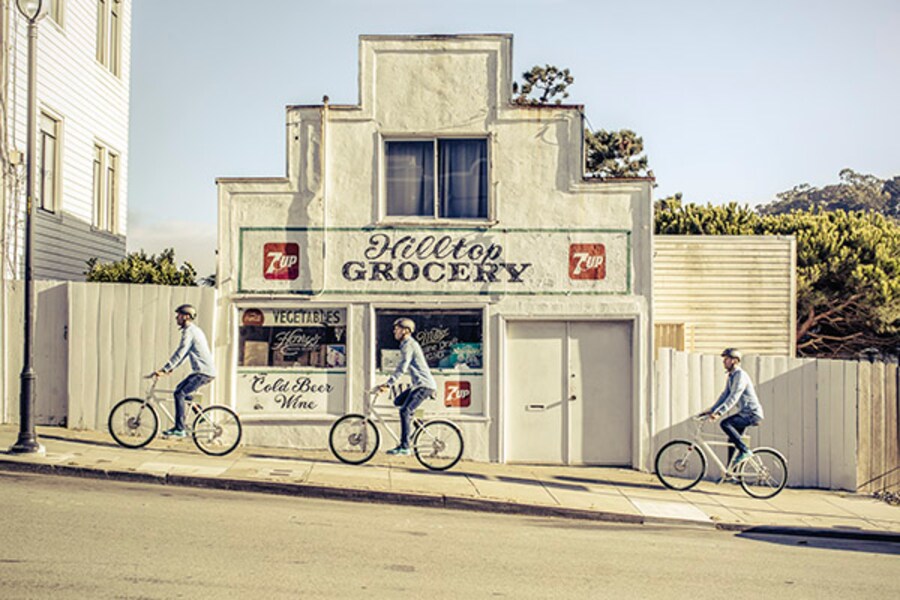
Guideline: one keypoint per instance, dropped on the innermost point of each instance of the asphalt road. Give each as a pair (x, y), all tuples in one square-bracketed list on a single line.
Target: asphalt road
[(78, 538)]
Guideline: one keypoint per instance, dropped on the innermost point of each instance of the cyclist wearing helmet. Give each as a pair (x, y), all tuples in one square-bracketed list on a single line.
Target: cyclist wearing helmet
[(195, 347), (738, 390), (423, 385)]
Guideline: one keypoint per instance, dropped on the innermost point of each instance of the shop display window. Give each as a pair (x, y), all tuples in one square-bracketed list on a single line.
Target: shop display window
[(293, 337), (450, 339)]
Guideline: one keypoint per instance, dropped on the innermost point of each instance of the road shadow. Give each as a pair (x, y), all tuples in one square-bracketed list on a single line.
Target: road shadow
[(842, 540)]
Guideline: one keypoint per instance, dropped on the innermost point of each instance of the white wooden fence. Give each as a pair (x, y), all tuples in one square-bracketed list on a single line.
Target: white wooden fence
[(93, 344), (810, 407)]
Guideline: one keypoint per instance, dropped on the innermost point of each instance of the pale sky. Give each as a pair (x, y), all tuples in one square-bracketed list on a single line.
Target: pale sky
[(735, 100)]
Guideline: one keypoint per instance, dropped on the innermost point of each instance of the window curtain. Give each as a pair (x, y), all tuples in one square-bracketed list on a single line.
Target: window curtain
[(463, 179), (410, 178)]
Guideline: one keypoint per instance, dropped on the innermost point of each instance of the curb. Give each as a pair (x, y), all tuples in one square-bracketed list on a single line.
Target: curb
[(430, 501)]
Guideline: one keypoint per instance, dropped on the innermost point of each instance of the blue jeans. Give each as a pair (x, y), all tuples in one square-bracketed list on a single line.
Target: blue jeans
[(408, 401), (188, 386), (734, 427)]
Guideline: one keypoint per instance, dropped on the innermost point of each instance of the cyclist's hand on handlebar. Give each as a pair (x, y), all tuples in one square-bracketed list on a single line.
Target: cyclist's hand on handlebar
[(379, 389)]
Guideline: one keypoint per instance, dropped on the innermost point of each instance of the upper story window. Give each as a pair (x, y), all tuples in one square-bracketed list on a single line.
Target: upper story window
[(440, 178), (55, 11), (109, 34), (47, 187), (106, 189)]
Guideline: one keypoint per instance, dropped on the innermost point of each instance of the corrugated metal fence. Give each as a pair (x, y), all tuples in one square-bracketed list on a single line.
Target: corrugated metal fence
[(94, 343), (835, 421)]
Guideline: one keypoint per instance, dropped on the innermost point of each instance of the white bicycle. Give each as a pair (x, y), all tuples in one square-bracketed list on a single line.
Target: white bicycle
[(681, 464), (355, 437)]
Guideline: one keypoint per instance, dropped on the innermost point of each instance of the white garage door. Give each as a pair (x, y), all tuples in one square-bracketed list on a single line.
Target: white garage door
[(569, 392)]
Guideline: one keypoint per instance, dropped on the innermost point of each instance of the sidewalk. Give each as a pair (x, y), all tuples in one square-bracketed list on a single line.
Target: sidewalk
[(595, 493)]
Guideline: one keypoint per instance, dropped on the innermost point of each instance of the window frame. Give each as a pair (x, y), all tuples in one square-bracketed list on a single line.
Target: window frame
[(434, 218), (55, 187), (105, 181), (109, 35), (56, 12)]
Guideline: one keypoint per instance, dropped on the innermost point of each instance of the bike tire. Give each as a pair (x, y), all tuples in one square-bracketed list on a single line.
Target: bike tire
[(217, 430), (438, 445), (133, 423), (354, 439), (764, 474), (680, 465)]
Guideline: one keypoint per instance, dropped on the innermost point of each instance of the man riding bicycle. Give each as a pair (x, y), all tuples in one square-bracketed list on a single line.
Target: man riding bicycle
[(194, 346), (423, 386), (738, 390)]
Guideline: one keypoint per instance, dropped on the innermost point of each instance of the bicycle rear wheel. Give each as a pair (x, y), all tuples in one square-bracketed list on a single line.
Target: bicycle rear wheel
[(353, 439), (764, 474), (680, 465), (217, 430), (438, 445), (133, 423)]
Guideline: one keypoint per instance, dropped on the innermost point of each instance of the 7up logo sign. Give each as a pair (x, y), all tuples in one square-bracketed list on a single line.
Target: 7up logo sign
[(457, 394), (281, 261), (587, 261)]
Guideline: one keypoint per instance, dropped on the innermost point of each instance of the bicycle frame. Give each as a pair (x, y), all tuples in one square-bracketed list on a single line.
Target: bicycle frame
[(706, 442), (157, 398), (371, 411)]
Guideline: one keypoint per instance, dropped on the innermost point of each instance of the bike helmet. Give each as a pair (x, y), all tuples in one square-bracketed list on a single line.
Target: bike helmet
[(188, 310), (406, 324), (732, 353)]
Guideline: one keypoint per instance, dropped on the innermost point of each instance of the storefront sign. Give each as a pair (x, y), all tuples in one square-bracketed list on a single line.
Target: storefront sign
[(457, 394), (433, 261), (287, 394)]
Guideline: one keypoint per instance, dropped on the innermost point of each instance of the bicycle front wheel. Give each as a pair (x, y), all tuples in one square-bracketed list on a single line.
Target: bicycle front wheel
[(764, 474), (353, 439), (217, 430), (133, 423), (438, 445), (680, 465)]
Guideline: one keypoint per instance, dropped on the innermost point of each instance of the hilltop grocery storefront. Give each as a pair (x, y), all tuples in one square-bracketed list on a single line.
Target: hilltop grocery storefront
[(530, 286)]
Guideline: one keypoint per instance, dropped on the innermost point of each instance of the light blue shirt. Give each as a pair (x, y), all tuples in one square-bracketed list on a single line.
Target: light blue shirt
[(739, 390), (195, 347), (413, 360)]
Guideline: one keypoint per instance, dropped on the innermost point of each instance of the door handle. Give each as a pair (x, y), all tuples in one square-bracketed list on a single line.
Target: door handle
[(572, 398), (535, 406)]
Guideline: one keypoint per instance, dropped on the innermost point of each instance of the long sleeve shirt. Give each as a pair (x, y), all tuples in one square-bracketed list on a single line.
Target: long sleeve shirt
[(193, 346), (739, 390), (413, 360)]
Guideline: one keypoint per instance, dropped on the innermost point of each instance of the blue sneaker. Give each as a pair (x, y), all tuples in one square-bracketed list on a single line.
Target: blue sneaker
[(399, 450), (742, 457), (173, 432)]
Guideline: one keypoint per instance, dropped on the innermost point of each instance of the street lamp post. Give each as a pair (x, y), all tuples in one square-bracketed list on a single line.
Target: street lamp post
[(33, 11)]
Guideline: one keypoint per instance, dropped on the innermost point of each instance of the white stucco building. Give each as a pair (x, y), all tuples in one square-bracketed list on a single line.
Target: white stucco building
[(437, 198)]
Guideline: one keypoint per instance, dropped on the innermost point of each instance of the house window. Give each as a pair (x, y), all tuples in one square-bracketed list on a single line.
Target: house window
[(106, 189), (47, 188), (55, 11), (109, 34), (441, 179)]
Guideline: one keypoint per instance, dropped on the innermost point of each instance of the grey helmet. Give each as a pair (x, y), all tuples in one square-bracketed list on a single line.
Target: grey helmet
[(188, 310), (406, 324), (732, 353)]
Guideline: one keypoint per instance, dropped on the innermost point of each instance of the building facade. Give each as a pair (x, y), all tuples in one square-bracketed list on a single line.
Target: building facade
[(81, 177), (435, 197)]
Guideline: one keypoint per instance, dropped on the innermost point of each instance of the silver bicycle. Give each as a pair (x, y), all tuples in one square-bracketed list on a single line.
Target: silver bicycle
[(355, 437), (134, 422), (681, 464)]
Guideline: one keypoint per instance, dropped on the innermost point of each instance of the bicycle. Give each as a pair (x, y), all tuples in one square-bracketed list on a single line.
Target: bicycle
[(682, 463), (355, 437), (134, 422)]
